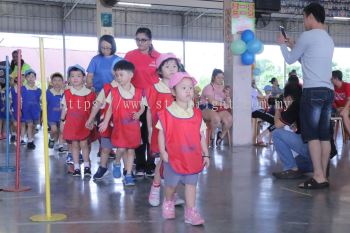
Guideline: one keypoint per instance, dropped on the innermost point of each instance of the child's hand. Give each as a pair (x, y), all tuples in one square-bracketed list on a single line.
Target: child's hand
[(103, 126), (136, 116), (164, 156), (89, 124), (206, 162)]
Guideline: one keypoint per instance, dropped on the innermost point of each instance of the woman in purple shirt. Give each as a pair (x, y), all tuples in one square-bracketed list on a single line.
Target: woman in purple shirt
[(215, 106)]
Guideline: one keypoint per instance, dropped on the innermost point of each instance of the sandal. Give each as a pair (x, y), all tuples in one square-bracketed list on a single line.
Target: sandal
[(313, 184)]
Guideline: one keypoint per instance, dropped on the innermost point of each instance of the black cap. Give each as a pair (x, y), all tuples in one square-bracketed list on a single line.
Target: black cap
[(273, 80)]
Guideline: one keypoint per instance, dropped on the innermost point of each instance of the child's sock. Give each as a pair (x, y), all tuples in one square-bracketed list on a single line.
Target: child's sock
[(155, 184), (76, 166), (86, 164)]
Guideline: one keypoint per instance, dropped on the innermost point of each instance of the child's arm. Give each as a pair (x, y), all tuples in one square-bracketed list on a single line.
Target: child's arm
[(94, 111), (149, 124), (137, 115), (104, 124), (63, 118), (161, 142), (205, 152)]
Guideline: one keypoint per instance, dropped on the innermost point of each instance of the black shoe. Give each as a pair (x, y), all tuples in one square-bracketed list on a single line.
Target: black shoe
[(51, 143), (13, 139), (288, 174), (23, 142), (150, 173), (112, 155), (140, 173), (87, 171), (77, 172), (30, 146), (101, 173)]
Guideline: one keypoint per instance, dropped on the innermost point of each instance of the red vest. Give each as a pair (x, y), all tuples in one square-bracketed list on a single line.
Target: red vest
[(108, 132), (126, 131), (157, 101), (183, 141), (78, 112)]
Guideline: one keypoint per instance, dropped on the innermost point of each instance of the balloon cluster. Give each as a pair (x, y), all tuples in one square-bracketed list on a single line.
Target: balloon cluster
[(247, 47)]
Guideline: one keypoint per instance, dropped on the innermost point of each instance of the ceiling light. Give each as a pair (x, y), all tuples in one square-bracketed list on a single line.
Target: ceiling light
[(341, 18), (134, 4)]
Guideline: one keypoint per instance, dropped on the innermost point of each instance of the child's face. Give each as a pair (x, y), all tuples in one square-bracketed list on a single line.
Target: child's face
[(123, 77), (169, 68), (76, 78), (184, 90), (57, 82), (31, 79)]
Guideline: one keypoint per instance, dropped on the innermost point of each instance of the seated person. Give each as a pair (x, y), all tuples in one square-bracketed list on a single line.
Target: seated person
[(341, 98), (259, 110), (286, 141), (212, 104)]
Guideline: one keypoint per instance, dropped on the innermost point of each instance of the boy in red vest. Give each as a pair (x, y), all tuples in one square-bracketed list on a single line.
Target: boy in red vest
[(126, 103), (76, 107), (182, 146)]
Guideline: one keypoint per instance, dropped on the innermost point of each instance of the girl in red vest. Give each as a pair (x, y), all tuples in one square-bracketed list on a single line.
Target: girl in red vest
[(77, 103), (182, 146), (126, 103), (158, 98)]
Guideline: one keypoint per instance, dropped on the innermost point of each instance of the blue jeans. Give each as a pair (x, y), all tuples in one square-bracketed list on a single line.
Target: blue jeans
[(285, 141), (315, 113)]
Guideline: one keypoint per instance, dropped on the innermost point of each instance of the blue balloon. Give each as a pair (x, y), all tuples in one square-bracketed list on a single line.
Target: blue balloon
[(254, 46), (247, 58), (247, 35), (256, 71)]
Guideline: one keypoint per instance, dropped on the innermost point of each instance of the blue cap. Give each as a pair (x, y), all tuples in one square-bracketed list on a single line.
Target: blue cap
[(29, 71), (76, 66), (268, 88)]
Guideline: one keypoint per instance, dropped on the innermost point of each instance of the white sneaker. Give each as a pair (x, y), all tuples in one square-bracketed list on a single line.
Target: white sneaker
[(154, 196), (178, 200), (56, 146)]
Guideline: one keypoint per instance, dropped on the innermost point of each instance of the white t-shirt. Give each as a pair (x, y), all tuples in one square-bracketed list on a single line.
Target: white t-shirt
[(314, 49)]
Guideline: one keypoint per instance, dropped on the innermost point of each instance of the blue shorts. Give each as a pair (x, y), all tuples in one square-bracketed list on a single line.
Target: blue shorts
[(30, 115), (172, 179), (315, 113), (106, 143), (3, 115)]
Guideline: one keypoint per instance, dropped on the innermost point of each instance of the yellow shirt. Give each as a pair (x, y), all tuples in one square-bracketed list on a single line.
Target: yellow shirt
[(179, 112), (54, 92), (82, 92), (101, 98), (162, 87), (30, 88)]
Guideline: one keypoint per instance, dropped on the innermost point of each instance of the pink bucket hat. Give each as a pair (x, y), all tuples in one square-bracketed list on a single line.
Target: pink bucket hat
[(177, 77), (165, 56)]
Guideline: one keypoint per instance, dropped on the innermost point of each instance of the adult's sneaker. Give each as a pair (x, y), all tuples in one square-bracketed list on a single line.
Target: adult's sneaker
[(13, 138), (150, 173), (101, 173), (87, 171), (129, 180), (30, 146), (117, 170), (288, 174), (140, 173)]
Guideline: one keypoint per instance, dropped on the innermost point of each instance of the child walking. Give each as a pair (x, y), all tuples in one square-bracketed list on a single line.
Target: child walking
[(127, 105), (182, 147), (76, 108), (158, 98), (105, 136), (54, 96), (31, 108)]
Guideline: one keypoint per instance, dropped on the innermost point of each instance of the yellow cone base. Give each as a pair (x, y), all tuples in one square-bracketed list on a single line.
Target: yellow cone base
[(45, 218)]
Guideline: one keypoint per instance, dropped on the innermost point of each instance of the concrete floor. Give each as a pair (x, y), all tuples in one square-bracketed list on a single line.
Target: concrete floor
[(236, 194)]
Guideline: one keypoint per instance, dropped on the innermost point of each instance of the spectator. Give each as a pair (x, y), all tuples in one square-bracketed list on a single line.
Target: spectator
[(212, 104), (314, 49), (341, 97), (275, 90)]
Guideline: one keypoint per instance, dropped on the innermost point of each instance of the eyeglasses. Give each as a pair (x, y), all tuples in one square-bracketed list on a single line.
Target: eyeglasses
[(106, 48), (142, 41)]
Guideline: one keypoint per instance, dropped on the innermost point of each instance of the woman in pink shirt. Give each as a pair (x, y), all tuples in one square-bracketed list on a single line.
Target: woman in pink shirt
[(214, 104)]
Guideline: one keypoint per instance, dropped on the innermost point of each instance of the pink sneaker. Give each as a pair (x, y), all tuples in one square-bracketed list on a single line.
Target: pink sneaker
[(154, 196), (168, 209), (193, 217)]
